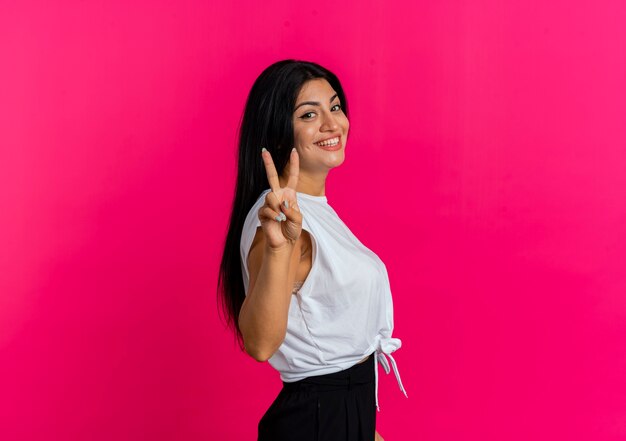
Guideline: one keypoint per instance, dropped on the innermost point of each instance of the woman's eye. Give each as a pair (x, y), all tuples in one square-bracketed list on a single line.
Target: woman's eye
[(305, 116)]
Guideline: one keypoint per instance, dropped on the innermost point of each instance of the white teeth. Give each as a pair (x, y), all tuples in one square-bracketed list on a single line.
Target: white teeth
[(333, 141)]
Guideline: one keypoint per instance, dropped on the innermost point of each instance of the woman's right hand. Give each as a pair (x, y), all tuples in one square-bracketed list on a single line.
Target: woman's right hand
[(281, 225)]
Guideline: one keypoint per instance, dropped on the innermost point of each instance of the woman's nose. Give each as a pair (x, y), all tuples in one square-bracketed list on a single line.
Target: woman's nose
[(329, 123)]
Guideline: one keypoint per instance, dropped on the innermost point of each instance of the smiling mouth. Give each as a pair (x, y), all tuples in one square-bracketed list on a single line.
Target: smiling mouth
[(330, 145), (329, 142)]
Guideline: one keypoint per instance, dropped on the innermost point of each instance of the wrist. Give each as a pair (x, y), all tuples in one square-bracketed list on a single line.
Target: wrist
[(284, 250)]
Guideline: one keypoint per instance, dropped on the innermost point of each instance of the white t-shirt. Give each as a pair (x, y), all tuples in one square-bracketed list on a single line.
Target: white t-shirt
[(343, 311)]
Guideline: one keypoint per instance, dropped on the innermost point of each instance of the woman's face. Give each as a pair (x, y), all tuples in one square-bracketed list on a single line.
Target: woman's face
[(318, 117)]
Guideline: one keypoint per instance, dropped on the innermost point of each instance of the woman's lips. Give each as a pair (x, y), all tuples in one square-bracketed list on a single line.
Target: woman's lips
[(331, 148)]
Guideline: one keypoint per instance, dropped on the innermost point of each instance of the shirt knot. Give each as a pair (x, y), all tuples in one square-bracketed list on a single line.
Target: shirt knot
[(385, 346)]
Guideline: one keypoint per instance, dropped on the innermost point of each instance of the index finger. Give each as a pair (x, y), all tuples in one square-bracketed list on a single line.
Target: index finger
[(294, 169), (270, 169)]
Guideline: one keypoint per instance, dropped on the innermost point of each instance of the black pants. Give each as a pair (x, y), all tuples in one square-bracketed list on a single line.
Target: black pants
[(333, 407)]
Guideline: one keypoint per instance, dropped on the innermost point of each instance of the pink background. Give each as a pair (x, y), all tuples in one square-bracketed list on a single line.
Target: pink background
[(486, 166)]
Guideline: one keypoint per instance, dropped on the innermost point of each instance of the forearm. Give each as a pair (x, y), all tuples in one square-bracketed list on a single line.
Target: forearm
[(263, 315)]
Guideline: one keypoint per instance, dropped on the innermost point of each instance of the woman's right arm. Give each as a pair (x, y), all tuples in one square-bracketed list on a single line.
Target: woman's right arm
[(272, 261), (263, 315)]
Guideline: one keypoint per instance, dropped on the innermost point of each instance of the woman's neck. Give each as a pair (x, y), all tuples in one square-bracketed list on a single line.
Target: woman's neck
[(314, 185)]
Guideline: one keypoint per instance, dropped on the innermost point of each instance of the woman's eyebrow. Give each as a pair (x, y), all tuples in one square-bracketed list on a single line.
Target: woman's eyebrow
[(315, 103)]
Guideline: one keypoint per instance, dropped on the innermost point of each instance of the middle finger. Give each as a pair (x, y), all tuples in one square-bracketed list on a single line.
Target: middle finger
[(294, 170)]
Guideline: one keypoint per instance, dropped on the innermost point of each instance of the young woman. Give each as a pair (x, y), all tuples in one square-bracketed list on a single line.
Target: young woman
[(298, 288)]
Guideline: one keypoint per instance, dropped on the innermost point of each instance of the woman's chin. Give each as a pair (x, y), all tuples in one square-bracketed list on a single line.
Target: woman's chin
[(336, 159)]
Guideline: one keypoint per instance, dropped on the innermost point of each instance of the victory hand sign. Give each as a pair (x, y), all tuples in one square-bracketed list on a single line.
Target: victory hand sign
[(280, 216)]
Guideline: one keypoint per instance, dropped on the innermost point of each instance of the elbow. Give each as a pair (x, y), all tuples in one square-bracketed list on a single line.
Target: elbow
[(261, 350), (259, 354), (254, 348), (260, 357), (259, 345)]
